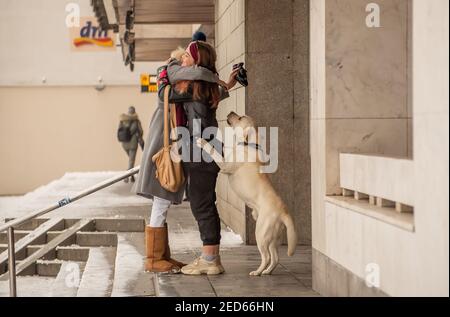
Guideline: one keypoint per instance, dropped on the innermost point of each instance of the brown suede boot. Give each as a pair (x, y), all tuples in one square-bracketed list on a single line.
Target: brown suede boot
[(167, 253), (156, 245)]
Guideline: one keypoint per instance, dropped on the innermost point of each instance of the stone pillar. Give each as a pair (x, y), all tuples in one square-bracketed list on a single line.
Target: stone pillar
[(272, 37), (230, 47), (367, 82), (277, 41)]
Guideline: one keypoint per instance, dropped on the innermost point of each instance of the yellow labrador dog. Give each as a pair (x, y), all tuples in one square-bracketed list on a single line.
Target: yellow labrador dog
[(255, 189)]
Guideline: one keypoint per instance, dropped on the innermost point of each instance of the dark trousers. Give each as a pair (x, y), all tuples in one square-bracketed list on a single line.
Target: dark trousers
[(202, 195)]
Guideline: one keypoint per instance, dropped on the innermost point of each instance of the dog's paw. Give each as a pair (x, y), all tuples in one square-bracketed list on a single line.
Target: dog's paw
[(255, 273), (266, 272)]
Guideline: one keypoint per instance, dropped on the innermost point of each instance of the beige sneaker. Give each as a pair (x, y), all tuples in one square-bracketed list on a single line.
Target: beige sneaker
[(201, 266)]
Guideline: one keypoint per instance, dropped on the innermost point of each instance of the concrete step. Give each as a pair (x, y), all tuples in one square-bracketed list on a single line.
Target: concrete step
[(18, 234), (29, 286), (72, 253), (135, 224), (98, 274), (96, 239), (61, 239), (130, 279), (37, 236), (120, 225), (48, 267), (68, 279), (71, 222), (51, 235), (99, 224), (30, 270), (31, 249), (93, 244), (50, 263), (34, 223), (53, 268), (20, 255)]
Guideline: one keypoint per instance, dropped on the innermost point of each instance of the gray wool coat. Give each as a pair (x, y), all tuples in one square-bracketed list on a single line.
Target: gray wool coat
[(147, 184)]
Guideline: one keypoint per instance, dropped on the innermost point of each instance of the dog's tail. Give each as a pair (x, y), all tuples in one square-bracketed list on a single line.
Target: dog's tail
[(291, 234)]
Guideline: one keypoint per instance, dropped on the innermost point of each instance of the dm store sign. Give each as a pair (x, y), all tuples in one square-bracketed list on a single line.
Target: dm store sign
[(89, 37)]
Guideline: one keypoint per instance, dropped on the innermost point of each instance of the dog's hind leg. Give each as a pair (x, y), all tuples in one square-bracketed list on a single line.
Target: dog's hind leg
[(274, 259), (265, 259), (273, 250), (263, 246)]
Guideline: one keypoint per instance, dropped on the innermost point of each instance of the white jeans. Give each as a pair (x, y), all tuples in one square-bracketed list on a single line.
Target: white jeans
[(159, 212)]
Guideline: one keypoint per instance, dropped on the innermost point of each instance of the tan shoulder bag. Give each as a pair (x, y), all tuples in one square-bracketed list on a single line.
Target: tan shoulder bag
[(168, 172)]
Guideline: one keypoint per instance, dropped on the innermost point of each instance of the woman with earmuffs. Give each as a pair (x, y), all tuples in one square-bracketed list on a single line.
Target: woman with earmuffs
[(147, 185), (200, 101)]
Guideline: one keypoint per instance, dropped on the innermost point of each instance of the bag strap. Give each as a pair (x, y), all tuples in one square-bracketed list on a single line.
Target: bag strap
[(166, 116), (173, 122), (169, 116)]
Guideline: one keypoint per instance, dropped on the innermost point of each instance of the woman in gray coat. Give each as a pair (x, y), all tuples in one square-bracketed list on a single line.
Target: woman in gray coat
[(200, 100), (147, 185)]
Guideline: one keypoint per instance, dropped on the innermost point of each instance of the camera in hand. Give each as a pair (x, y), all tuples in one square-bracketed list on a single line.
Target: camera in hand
[(241, 76)]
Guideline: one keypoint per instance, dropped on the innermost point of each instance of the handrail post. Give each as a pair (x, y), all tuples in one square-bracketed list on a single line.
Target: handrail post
[(12, 263)]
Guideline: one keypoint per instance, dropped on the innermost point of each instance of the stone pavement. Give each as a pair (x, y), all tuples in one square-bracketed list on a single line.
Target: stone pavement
[(291, 278)]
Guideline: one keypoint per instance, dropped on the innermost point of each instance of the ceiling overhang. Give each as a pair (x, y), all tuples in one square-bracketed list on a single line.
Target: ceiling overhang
[(150, 29)]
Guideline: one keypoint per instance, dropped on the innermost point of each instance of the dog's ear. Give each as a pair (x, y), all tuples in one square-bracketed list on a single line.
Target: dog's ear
[(250, 135)]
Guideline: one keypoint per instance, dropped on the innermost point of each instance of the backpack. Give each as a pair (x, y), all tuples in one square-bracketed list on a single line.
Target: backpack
[(124, 133)]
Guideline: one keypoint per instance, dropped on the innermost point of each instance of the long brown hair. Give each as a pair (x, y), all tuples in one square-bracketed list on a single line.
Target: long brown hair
[(201, 90)]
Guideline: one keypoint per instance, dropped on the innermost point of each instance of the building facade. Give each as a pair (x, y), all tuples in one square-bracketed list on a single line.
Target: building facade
[(53, 119), (362, 105), (358, 90)]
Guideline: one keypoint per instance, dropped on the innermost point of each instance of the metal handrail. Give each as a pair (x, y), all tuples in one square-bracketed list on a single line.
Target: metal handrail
[(9, 226)]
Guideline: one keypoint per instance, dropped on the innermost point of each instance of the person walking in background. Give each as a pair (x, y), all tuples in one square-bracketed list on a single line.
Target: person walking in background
[(130, 135)]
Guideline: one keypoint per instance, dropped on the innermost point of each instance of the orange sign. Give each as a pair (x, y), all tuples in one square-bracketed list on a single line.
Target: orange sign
[(148, 83), (89, 37)]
